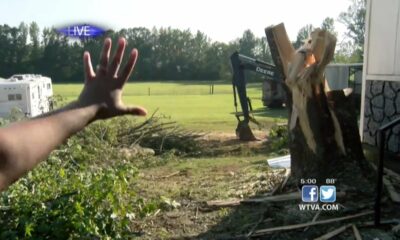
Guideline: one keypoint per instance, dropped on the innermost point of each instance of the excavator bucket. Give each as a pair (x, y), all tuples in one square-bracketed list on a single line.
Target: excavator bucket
[(244, 133)]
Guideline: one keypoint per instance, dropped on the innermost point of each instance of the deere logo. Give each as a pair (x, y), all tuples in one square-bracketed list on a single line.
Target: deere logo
[(264, 71)]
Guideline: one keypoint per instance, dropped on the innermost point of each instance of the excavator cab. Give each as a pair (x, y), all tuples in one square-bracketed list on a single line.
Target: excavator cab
[(239, 64)]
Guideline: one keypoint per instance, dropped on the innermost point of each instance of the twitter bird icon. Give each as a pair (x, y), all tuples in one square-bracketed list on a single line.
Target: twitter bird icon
[(327, 193)]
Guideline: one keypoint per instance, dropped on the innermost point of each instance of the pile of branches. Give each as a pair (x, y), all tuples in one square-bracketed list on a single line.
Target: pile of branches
[(160, 135)]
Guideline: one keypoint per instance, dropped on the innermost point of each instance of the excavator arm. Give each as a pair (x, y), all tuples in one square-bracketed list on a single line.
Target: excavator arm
[(240, 63)]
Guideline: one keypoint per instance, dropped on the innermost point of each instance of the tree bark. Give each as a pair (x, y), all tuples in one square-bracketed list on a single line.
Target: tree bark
[(324, 140)]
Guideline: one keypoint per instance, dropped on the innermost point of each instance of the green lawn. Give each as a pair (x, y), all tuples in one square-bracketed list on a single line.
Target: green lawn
[(189, 103)]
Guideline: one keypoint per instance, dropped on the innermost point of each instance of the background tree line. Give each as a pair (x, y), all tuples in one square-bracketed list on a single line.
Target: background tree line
[(164, 53)]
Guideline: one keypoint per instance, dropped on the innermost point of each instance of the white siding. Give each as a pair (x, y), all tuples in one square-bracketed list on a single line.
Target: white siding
[(382, 41), (382, 45), (382, 37)]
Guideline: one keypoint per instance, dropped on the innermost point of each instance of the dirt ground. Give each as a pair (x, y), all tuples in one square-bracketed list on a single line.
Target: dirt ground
[(235, 170)]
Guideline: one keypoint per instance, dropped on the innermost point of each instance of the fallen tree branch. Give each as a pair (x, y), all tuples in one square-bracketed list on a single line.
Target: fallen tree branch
[(262, 232), (279, 187), (276, 198), (333, 233), (313, 220), (223, 203), (396, 228), (356, 233), (393, 194), (171, 175), (383, 222), (274, 190), (236, 202), (248, 235), (285, 180), (282, 197), (392, 173)]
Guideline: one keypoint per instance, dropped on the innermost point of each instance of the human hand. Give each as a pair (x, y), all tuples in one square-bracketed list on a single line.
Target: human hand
[(103, 89)]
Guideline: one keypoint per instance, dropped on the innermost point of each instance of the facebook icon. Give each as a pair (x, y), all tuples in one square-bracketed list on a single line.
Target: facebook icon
[(309, 193)]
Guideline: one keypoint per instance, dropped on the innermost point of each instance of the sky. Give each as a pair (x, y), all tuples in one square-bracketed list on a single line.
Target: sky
[(221, 20)]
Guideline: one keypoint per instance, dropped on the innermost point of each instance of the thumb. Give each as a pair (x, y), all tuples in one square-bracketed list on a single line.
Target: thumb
[(134, 110)]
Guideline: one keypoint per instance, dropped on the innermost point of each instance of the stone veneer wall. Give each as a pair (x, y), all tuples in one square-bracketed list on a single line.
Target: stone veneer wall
[(382, 105)]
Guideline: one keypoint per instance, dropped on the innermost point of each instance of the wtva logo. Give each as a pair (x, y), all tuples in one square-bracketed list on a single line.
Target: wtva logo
[(309, 193), (82, 31)]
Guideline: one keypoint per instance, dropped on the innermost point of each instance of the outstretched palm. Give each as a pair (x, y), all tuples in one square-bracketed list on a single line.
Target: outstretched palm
[(104, 88)]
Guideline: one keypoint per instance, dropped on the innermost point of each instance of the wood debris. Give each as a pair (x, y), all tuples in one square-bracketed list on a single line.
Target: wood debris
[(172, 174), (285, 180), (393, 194), (313, 220), (276, 198), (392, 173), (283, 197), (262, 232), (333, 233), (356, 233), (396, 228), (223, 203)]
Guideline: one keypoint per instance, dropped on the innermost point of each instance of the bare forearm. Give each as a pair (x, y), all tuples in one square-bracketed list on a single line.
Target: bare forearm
[(24, 144)]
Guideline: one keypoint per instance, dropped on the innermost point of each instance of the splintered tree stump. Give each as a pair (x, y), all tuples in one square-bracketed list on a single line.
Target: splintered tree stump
[(324, 139)]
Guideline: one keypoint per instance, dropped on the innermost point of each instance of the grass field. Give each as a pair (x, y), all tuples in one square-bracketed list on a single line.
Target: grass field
[(190, 103), (98, 178)]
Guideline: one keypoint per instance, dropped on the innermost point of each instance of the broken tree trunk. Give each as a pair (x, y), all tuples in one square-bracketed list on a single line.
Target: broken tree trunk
[(324, 140)]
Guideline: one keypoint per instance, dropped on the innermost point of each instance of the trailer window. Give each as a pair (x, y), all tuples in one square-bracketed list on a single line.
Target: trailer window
[(11, 97), (18, 96), (48, 86)]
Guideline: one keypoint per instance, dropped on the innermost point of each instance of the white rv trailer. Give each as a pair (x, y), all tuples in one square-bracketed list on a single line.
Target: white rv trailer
[(29, 92)]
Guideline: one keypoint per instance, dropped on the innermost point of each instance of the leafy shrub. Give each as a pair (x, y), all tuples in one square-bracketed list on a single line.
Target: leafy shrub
[(279, 139), (85, 190), (60, 200), (16, 114)]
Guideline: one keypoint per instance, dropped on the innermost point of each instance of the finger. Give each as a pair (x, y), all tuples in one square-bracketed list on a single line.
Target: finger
[(136, 111), (113, 69), (87, 64), (129, 67), (104, 57)]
